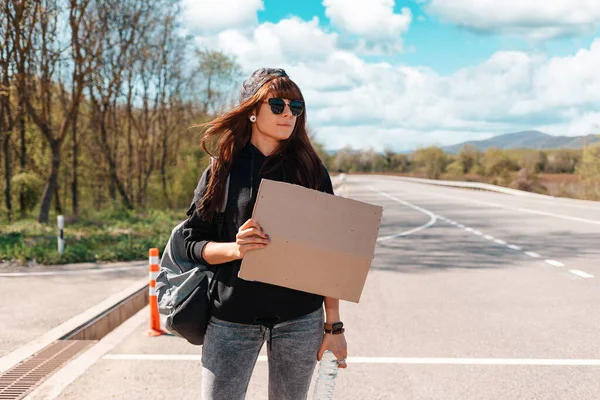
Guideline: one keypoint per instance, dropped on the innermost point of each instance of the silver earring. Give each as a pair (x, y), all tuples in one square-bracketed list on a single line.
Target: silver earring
[(253, 118)]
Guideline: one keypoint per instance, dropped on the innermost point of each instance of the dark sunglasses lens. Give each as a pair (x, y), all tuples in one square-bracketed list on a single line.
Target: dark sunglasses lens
[(296, 106), (277, 105)]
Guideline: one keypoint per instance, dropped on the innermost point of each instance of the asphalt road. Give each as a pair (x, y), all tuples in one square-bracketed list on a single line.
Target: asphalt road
[(471, 295)]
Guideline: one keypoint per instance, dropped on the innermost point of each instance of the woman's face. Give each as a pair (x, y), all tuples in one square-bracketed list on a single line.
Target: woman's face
[(276, 126)]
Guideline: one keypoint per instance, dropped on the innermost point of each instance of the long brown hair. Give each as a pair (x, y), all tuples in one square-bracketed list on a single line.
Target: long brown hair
[(233, 130)]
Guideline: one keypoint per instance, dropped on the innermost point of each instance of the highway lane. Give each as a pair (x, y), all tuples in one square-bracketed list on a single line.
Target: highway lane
[(455, 307), (554, 235), (447, 292)]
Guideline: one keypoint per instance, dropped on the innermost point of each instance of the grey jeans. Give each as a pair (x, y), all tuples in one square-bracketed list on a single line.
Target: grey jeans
[(230, 352)]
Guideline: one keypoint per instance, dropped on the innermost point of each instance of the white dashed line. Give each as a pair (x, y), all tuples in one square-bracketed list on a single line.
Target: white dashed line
[(581, 273), (519, 248), (532, 254), (435, 217), (555, 263)]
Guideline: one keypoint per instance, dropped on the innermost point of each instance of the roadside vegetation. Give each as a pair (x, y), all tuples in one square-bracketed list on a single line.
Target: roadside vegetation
[(573, 173)]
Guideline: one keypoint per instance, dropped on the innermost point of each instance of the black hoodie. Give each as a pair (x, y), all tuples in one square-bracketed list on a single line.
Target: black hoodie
[(238, 300)]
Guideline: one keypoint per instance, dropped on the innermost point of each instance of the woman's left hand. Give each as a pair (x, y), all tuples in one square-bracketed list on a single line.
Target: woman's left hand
[(337, 345)]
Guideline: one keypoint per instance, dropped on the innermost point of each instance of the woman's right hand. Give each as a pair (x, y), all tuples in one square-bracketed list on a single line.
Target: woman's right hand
[(250, 236)]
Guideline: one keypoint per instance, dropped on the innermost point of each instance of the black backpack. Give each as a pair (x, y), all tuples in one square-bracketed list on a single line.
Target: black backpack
[(184, 288)]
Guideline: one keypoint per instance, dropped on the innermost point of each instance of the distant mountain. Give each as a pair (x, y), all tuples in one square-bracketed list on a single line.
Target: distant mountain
[(527, 140)]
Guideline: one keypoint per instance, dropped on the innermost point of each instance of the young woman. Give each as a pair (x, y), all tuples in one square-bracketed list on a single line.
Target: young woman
[(263, 137)]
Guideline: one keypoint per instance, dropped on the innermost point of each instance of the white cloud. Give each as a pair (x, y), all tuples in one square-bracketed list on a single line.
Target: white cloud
[(586, 124), (404, 106), (215, 15), (374, 25), (288, 42), (536, 19), (354, 102)]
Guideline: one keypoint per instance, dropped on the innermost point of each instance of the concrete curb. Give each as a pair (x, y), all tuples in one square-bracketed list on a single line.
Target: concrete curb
[(52, 387), (15, 357)]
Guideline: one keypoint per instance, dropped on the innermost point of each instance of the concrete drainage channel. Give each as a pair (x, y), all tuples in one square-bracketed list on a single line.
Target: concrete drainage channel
[(19, 380)]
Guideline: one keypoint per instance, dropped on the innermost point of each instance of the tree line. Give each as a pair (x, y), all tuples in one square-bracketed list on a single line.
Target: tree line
[(518, 168), (96, 98)]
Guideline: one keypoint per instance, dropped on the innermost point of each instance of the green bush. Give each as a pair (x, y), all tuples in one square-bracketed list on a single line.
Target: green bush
[(590, 163)]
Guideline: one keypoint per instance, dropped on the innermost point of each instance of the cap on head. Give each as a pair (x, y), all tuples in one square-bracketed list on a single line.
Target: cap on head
[(257, 80)]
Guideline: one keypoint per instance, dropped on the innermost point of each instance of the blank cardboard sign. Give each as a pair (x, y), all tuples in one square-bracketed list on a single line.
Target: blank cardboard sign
[(320, 243)]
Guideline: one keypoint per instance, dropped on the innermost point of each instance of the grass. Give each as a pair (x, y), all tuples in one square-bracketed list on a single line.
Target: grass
[(102, 236)]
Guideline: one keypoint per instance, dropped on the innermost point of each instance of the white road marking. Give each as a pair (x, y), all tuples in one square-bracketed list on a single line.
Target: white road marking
[(581, 273), (555, 263), (529, 253), (532, 254), (432, 216), (525, 210), (548, 214), (383, 360)]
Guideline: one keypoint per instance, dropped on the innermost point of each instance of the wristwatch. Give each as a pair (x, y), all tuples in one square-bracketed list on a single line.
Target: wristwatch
[(335, 328)]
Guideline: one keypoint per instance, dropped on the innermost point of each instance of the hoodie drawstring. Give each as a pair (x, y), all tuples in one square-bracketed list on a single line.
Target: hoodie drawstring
[(268, 323)]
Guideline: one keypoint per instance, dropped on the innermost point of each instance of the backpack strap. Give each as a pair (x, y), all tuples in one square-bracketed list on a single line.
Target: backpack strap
[(220, 214)]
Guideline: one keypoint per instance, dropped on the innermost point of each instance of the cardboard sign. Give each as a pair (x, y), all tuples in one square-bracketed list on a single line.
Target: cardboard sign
[(320, 243)]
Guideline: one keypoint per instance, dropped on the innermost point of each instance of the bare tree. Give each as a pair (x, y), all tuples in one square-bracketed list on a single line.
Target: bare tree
[(121, 21), (217, 74), (6, 118), (86, 43), (44, 88), (171, 84), (21, 24)]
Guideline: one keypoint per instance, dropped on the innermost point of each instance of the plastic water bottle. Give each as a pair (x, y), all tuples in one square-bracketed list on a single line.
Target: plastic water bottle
[(328, 370)]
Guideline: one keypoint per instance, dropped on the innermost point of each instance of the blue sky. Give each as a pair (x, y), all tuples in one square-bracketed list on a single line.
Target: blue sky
[(442, 46), (406, 74)]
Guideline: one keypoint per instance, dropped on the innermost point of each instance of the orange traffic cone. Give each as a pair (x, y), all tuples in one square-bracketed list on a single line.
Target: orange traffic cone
[(152, 298)]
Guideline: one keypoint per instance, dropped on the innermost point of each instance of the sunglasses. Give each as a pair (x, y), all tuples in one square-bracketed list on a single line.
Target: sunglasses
[(278, 105)]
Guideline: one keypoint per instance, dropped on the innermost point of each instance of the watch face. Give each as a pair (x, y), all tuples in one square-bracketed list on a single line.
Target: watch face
[(337, 325)]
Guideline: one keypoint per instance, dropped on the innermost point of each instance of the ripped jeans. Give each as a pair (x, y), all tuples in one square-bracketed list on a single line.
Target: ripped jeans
[(230, 352)]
